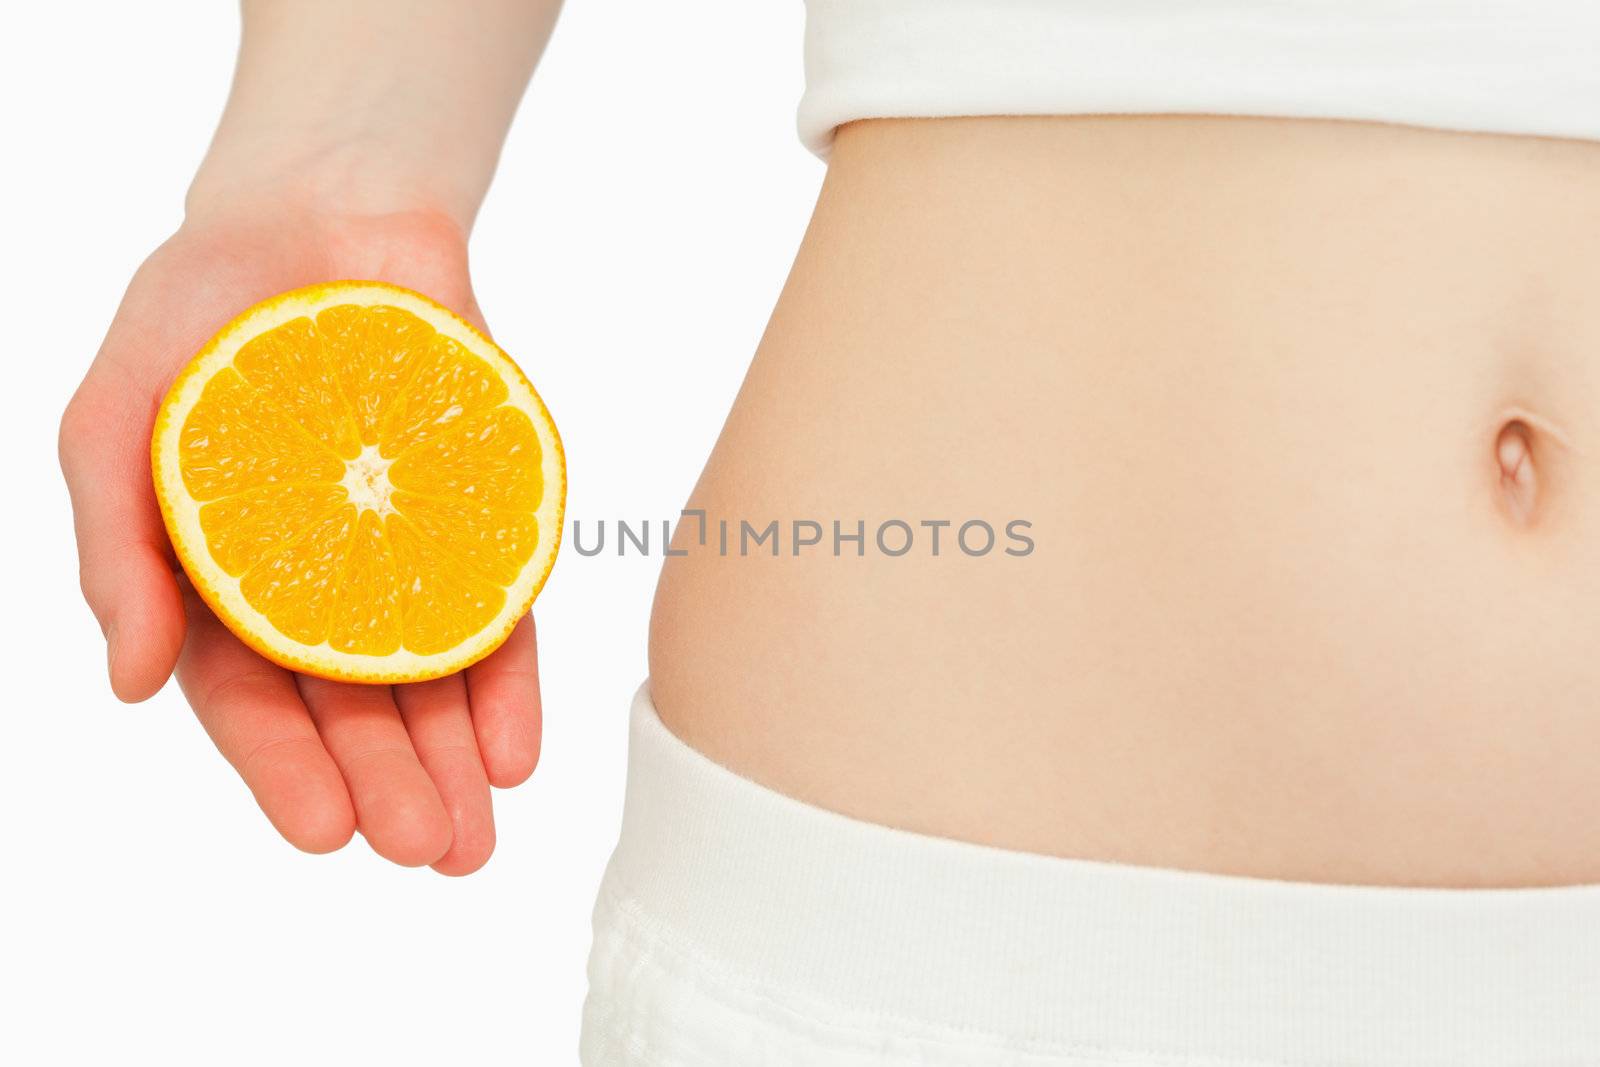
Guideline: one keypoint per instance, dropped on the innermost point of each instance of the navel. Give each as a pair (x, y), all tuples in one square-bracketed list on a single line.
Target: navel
[(1516, 454)]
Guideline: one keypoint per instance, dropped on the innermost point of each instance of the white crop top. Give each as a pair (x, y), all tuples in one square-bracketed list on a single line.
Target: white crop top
[(1510, 66)]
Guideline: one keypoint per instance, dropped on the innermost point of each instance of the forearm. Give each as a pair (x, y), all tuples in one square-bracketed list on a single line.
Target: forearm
[(373, 105)]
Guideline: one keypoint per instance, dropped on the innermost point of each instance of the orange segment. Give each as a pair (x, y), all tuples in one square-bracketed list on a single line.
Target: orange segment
[(447, 384), (495, 542), (373, 349), (294, 585), (232, 441), (441, 600), (243, 529), (492, 456), (366, 617), (360, 484), (290, 370)]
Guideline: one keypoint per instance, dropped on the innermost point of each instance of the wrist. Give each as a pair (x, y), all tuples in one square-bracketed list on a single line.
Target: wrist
[(333, 176)]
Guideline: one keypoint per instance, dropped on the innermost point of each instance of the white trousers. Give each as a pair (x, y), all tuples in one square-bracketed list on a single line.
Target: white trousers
[(736, 926)]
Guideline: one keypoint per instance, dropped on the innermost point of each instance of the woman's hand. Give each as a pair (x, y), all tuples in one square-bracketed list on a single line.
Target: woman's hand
[(342, 154), (409, 766)]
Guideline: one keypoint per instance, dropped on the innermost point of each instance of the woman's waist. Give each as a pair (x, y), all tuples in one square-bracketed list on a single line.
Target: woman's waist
[(1308, 638), (1207, 311), (1164, 243), (1407, 696), (1180, 537)]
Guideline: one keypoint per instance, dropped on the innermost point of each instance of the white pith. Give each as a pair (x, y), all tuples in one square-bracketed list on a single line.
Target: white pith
[(365, 480)]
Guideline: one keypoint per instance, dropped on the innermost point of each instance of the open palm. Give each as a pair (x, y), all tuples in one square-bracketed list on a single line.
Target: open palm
[(410, 766)]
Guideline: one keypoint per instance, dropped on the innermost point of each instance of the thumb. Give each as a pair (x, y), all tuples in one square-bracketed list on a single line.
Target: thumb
[(122, 543)]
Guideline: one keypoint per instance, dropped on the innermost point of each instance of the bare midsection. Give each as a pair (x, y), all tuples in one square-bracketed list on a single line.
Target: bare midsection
[(1275, 608)]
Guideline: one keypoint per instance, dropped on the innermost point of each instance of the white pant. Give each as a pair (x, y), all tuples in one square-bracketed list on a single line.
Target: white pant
[(739, 927)]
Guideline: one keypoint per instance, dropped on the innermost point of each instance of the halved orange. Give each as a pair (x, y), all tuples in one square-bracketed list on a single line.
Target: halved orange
[(360, 484)]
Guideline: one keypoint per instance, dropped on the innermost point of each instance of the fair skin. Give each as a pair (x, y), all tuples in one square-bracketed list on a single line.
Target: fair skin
[(1300, 411), (1303, 416), (322, 168)]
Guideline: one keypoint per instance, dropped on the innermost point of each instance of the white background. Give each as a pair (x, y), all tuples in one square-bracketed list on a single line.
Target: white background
[(649, 202)]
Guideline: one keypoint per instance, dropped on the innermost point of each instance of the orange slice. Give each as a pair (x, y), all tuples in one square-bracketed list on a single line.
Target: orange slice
[(360, 484)]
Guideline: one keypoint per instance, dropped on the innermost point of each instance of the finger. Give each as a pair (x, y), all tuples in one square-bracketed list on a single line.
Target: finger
[(436, 716), (255, 716), (122, 544), (398, 810), (504, 691)]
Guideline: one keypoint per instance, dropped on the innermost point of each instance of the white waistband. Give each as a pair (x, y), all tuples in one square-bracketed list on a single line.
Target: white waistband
[(1523, 67), (814, 908)]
